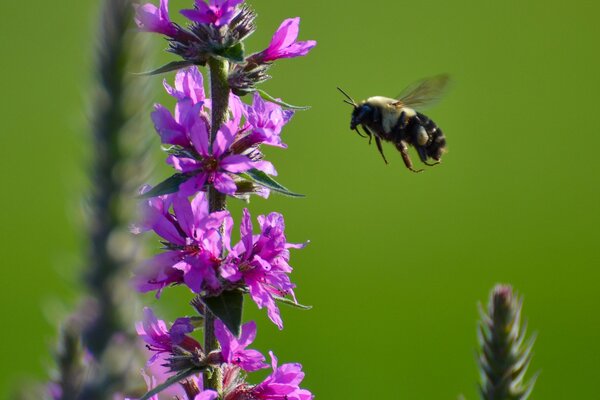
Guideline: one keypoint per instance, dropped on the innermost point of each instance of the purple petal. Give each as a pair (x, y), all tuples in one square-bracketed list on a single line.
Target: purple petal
[(157, 273), (179, 329), (225, 136), (266, 167), (237, 109), (207, 395), (196, 16), (193, 185), (185, 216), (286, 34), (263, 298), (199, 137), (150, 18), (297, 49), (246, 232), (250, 360), (183, 164), (212, 221), (237, 163), (231, 272), (190, 83), (284, 45), (225, 338), (273, 361), (248, 334), (166, 229), (224, 183), (169, 130), (200, 206)]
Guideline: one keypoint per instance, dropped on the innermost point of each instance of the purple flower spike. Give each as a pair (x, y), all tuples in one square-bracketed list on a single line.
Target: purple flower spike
[(261, 262), (160, 340), (234, 350), (282, 383), (217, 12), (284, 45), (150, 18)]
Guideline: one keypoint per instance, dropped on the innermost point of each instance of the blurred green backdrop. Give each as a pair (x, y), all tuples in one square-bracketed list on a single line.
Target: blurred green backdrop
[(397, 261)]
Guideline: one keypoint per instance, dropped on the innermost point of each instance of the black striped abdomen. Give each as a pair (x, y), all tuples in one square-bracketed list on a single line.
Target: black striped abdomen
[(436, 142)]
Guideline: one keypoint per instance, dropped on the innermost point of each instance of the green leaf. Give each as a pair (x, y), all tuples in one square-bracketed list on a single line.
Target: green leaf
[(172, 66), (268, 97), (171, 381), (228, 308), (168, 186), (233, 53), (265, 180), (289, 302)]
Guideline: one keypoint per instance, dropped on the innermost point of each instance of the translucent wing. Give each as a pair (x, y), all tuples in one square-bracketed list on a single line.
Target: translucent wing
[(424, 93)]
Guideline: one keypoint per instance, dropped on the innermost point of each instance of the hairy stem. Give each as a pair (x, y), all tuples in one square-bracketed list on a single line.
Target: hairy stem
[(219, 93)]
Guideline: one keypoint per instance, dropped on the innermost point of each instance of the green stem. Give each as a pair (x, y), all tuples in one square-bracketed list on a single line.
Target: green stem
[(219, 93)]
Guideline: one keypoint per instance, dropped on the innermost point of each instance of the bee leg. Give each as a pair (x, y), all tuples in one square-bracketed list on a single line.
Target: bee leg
[(403, 149), (369, 133), (380, 148), (423, 156), (359, 134)]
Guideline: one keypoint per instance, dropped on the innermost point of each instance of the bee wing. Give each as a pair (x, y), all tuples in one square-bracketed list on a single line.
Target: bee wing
[(424, 93)]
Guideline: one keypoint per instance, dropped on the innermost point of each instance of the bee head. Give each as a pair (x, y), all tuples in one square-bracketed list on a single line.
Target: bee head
[(360, 114)]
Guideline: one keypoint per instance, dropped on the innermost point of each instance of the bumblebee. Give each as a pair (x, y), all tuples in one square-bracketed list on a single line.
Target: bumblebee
[(398, 121)]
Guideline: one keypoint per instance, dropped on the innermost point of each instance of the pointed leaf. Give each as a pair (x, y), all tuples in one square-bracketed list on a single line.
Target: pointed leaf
[(292, 303), (172, 66), (171, 381), (265, 180), (233, 53), (228, 308), (168, 186), (268, 97)]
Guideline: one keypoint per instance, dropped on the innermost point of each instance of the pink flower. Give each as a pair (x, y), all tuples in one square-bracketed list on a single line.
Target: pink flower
[(234, 350), (214, 166), (284, 45), (266, 121), (282, 384), (190, 96), (261, 262), (161, 340), (193, 242)]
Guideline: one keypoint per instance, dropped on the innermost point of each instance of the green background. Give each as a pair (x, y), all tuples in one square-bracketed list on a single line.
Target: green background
[(397, 261)]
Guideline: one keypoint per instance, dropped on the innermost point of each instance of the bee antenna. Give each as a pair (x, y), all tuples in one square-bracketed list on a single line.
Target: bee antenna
[(351, 102)]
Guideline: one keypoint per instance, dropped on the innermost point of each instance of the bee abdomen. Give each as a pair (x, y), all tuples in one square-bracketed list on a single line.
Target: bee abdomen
[(427, 136), (436, 143)]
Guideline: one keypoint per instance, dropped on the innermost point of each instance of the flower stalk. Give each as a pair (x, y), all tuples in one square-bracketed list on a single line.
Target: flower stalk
[(219, 90)]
